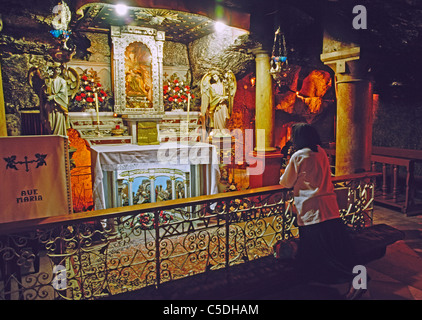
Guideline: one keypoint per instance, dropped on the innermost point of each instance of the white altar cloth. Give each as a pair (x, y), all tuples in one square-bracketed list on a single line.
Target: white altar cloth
[(167, 154)]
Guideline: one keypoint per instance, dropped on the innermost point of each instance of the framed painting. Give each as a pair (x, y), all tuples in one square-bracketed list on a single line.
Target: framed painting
[(137, 71)]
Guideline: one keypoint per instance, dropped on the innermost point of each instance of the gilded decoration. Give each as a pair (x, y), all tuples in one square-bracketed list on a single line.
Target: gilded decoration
[(138, 76), (137, 69)]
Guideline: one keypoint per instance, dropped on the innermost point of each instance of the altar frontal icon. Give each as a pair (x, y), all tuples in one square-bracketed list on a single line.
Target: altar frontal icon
[(36, 177)]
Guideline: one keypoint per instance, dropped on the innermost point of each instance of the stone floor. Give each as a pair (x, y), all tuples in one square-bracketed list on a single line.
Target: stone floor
[(396, 276)]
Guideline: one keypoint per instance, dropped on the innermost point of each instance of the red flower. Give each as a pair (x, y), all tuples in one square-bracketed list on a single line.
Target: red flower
[(176, 89), (187, 88), (84, 77), (88, 88), (166, 88), (176, 81), (78, 98), (179, 100), (171, 99), (89, 99), (83, 95), (100, 99), (98, 85), (103, 93)]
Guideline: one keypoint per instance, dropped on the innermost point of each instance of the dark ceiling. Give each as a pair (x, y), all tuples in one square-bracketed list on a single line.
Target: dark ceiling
[(393, 36), (178, 26)]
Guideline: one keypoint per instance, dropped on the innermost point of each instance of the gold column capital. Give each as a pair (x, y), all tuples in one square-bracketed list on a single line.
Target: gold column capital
[(259, 51), (337, 60)]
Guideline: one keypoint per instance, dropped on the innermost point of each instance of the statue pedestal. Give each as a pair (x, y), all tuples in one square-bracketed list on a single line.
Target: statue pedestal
[(174, 126), (266, 170), (99, 133)]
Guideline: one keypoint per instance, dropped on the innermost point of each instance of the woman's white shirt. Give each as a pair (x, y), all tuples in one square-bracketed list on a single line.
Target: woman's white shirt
[(308, 173)]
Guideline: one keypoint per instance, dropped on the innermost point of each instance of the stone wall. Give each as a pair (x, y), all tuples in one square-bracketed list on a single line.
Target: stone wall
[(25, 42), (221, 51), (18, 55)]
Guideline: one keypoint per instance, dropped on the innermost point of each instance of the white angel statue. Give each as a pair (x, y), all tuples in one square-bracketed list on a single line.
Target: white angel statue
[(217, 94)]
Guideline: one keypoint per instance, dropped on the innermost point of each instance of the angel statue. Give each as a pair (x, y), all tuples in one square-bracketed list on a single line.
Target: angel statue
[(217, 91), (54, 93)]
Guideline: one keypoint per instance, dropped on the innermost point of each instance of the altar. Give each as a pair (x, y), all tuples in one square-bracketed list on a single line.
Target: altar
[(185, 170)]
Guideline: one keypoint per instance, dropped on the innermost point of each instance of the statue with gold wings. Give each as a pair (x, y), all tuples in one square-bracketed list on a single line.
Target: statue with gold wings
[(217, 94), (54, 88)]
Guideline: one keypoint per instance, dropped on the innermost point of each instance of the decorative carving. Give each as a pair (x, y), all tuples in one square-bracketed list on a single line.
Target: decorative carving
[(156, 16), (137, 66)]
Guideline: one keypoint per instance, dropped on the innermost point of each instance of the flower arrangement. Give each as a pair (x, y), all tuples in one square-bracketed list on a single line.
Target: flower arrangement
[(176, 94), (237, 209), (89, 86), (146, 220)]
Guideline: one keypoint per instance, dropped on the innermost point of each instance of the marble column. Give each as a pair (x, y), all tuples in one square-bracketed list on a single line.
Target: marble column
[(354, 111), (152, 189), (264, 112), (173, 187), (344, 52), (265, 167), (130, 191)]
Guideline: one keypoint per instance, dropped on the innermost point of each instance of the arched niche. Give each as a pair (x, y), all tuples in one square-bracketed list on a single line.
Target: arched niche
[(137, 72)]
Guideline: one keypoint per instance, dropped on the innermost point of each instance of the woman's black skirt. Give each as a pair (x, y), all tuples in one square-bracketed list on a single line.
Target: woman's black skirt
[(326, 253)]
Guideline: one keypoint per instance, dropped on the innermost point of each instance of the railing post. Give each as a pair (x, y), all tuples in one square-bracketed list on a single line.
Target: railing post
[(157, 247), (227, 213), (395, 190), (384, 180)]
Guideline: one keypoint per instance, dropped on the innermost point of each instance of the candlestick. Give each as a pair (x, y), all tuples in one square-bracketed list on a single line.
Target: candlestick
[(98, 132), (188, 110)]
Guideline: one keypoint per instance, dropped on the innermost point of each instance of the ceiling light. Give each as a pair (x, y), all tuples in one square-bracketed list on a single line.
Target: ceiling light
[(219, 26), (121, 9)]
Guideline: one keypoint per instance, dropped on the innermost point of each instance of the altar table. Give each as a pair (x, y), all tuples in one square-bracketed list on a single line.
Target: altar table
[(200, 158)]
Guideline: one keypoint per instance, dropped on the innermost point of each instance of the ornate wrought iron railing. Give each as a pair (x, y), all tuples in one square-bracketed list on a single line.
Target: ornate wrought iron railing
[(105, 252)]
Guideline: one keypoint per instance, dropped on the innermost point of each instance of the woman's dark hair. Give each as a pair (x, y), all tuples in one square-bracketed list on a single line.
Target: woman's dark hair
[(305, 136)]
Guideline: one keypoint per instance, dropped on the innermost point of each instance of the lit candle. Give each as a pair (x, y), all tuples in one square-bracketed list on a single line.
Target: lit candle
[(188, 109), (96, 108)]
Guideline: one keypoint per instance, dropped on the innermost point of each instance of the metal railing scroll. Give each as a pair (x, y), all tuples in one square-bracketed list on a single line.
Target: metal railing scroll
[(106, 252)]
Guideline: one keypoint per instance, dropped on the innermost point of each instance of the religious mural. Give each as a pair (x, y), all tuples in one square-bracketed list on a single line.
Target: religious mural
[(138, 79)]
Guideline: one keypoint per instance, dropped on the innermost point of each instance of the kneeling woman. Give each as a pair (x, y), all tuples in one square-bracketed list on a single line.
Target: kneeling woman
[(325, 252)]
